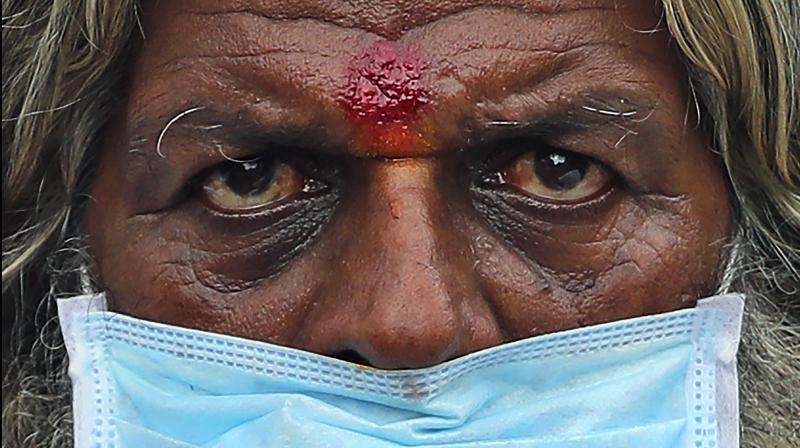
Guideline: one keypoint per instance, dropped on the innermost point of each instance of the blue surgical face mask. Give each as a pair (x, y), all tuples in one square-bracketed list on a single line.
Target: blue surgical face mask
[(662, 381)]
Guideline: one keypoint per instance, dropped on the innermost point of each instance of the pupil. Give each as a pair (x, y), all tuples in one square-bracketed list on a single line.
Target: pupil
[(560, 170), (251, 177)]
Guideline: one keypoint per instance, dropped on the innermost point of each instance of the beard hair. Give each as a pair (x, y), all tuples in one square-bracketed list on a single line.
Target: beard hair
[(37, 406), (769, 351), (769, 376), (37, 399)]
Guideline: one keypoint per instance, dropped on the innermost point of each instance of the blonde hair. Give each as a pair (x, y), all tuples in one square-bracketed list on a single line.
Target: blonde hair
[(58, 74), (745, 62), (64, 60)]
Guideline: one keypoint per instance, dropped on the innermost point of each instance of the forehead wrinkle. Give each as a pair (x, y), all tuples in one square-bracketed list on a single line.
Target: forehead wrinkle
[(389, 19), (563, 46)]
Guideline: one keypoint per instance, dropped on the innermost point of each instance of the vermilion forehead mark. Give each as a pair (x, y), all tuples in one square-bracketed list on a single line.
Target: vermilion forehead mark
[(383, 96)]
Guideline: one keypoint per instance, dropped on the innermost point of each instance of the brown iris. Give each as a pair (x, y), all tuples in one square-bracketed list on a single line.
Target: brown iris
[(247, 186), (556, 176)]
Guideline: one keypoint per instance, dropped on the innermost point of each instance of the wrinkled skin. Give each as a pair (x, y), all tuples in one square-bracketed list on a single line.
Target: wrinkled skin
[(403, 257)]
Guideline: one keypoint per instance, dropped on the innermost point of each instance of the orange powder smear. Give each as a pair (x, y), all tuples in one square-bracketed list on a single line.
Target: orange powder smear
[(390, 140), (383, 96)]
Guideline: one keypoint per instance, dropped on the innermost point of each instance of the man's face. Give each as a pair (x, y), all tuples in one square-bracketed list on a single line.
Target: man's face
[(404, 184)]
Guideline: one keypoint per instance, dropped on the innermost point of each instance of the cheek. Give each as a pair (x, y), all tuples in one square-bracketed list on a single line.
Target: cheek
[(638, 255), (189, 267), (173, 272)]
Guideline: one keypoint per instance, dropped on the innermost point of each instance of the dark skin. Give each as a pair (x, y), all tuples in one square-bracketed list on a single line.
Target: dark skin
[(553, 180)]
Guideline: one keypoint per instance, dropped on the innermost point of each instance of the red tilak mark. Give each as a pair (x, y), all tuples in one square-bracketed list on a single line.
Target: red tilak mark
[(383, 97)]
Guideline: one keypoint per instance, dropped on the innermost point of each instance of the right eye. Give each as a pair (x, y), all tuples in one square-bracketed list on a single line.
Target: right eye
[(252, 185), (558, 177)]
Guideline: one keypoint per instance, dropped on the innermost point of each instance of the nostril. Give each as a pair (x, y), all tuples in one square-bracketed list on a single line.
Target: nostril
[(352, 356)]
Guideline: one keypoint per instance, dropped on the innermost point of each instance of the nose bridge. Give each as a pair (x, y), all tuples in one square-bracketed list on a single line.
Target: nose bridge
[(406, 221), (411, 312), (408, 282)]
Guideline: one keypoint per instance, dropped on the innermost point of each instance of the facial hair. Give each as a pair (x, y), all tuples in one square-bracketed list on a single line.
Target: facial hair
[(37, 408)]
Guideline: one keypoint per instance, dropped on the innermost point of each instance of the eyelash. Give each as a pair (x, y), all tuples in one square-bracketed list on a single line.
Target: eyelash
[(493, 156), (486, 171), (311, 166), (482, 170)]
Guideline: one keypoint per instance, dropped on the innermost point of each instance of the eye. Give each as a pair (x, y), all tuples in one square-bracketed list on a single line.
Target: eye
[(556, 176), (247, 186)]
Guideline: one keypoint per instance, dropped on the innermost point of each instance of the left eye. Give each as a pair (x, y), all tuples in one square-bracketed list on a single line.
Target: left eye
[(247, 186), (556, 176)]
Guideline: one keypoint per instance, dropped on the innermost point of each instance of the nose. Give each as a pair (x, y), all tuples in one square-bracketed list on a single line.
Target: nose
[(402, 293)]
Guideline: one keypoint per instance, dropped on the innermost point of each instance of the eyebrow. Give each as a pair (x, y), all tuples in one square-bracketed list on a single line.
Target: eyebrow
[(582, 113), (243, 136), (628, 114)]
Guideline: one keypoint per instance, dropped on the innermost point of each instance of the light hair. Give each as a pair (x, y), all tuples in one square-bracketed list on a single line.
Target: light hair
[(744, 61), (64, 63)]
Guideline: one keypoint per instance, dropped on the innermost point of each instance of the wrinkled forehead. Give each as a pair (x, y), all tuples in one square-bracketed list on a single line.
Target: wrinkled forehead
[(310, 35), (390, 19), (291, 63)]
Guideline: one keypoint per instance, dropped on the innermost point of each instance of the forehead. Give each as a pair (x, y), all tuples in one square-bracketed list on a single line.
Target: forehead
[(287, 63), (314, 37), (387, 18), (441, 28)]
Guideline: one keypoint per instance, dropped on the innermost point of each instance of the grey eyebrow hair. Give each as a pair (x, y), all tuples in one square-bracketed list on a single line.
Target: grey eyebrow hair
[(620, 106), (172, 121), (586, 111), (611, 112)]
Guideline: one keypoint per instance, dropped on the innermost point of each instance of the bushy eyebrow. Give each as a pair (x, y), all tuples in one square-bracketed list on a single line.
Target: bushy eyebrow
[(585, 112), (579, 114), (242, 136), (590, 109)]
